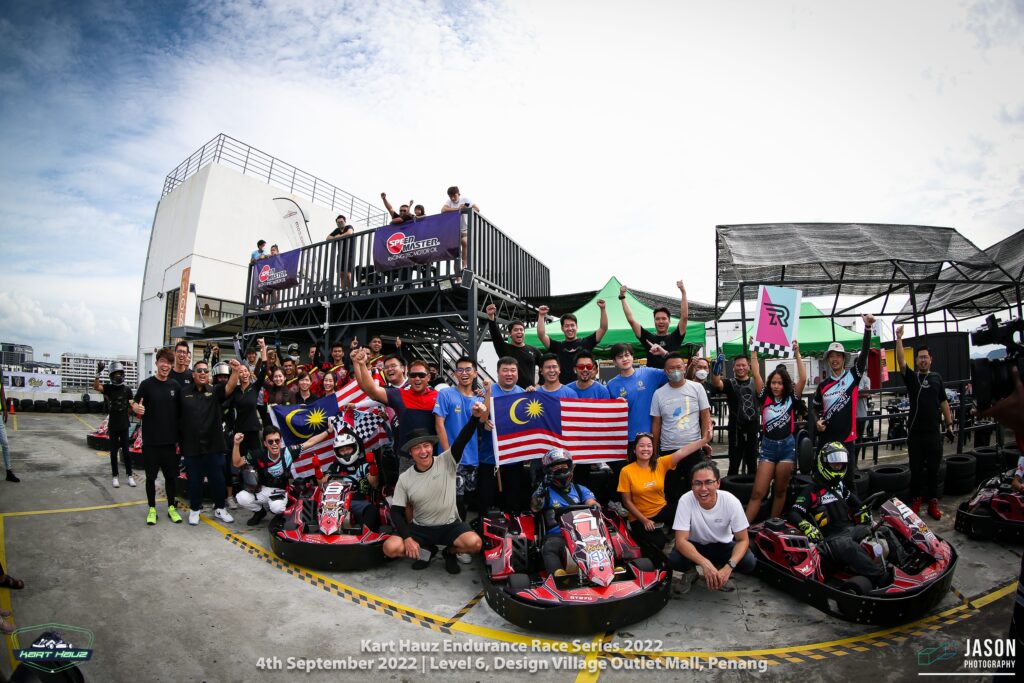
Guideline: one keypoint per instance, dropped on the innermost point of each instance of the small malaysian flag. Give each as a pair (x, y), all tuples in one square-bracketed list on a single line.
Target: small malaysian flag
[(527, 427)]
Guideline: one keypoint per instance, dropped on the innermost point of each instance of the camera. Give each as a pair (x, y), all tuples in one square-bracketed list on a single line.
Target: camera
[(992, 379)]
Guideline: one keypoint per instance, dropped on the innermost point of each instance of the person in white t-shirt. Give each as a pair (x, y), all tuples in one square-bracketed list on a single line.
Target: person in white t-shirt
[(711, 532), (456, 202)]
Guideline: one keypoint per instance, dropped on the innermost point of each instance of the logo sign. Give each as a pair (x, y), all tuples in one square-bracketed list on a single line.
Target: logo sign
[(278, 272), (932, 655), (777, 322), (54, 647), (425, 240)]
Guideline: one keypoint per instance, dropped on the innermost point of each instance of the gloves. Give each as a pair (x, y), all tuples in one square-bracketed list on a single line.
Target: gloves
[(863, 517), (810, 531), (371, 461), (718, 365), (99, 366), (539, 492)]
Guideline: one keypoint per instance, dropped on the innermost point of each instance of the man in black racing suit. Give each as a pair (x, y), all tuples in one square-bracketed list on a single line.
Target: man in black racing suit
[(825, 510)]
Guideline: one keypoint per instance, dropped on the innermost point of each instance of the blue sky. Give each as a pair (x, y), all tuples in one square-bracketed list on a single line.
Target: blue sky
[(608, 138)]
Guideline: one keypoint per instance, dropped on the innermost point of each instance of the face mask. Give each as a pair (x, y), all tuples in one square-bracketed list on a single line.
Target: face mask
[(702, 375), (675, 375)]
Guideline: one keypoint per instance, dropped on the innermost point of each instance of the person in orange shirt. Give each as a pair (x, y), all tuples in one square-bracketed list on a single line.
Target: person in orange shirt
[(642, 485)]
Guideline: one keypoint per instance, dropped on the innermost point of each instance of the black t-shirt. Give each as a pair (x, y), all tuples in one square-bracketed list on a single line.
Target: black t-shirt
[(526, 357), (743, 404), (245, 403), (272, 473), (671, 342), (118, 395), (161, 401), (566, 352), (182, 378), (202, 429), (339, 231), (927, 394)]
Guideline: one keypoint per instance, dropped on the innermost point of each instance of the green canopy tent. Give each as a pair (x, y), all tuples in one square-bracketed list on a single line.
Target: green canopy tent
[(589, 317), (815, 334)]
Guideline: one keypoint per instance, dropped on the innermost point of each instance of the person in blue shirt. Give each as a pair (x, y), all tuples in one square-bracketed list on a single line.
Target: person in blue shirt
[(586, 385), (452, 411), (557, 491), (513, 475), (550, 369), (259, 253), (636, 386)]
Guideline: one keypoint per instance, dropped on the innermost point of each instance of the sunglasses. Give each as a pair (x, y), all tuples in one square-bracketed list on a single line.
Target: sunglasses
[(418, 375), (584, 367), (273, 442), (201, 371)]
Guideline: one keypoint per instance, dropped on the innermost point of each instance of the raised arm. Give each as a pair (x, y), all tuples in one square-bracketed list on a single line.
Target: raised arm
[(387, 205), (689, 449), (364, 379), (236, 454), (628, 313), (604, 320), (865, 346), (542, 333), (492, 325), (755, 370), (684, 309), (801, 371), (901, 360)]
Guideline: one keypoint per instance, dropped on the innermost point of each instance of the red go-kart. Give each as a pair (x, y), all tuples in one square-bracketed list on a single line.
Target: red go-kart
[(994, 510), (606, 584), (921, 566), (319, 530)]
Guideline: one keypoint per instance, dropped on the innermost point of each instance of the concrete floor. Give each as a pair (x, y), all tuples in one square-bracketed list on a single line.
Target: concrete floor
[(210, 603)]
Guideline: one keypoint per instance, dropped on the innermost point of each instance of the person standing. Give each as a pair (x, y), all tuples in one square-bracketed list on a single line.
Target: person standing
[(586, 385), (118, 395), (527, 358), (566, 350), (512, 475), (669, 341), (181, 373), (157, 403), (550, 378), (741, 397), (635, 386), (928, 407), (4, 445), (680, 415)]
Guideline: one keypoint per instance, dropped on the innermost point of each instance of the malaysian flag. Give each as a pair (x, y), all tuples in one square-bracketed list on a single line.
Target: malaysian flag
[(528, 426), (312, 460)]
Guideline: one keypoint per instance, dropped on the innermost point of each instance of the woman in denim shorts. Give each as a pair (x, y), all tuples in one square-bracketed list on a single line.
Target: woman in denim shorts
[(779, 399)]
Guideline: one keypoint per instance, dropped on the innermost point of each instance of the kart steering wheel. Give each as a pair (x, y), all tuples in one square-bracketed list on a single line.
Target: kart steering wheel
[(874, 501)]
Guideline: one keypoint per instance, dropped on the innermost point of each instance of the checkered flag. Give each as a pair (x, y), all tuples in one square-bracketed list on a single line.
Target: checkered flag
[(369, 427), (776, 350)]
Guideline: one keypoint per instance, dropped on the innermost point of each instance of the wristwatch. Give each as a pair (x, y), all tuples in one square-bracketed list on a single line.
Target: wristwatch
[(732, 563)]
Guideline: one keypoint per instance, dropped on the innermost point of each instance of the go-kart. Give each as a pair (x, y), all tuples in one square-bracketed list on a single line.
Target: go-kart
[(319, 530), (920, 565), (100, 440), (994, 510), (606, 583)]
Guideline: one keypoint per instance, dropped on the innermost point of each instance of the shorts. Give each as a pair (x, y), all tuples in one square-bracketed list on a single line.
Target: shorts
[(778, 450), (443, 534)]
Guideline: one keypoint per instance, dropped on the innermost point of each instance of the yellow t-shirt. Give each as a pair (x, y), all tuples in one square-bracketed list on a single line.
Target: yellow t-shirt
[(646, 487)]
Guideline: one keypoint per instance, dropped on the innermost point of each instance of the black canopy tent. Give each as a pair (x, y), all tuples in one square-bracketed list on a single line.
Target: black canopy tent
[(863, 260)]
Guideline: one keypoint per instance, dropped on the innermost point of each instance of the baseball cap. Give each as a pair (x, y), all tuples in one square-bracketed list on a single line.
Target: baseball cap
[(835, 346)]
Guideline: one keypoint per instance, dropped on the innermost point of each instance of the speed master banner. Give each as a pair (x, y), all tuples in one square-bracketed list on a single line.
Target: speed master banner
[(425, 240)]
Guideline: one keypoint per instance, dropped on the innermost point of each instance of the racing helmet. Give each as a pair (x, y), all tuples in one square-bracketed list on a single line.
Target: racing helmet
[(345, 439), (221, 369), (559, 465), (832, 462), (117, 373)]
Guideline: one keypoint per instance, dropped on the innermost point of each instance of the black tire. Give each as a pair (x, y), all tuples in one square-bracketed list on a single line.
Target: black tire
[(739, 485), (81, 406), (889, 478), (1010, 457), (25, 405), (41, 406), (903, 495), (989, 462), (95, 406), (983, 525), (862, 483), (518, 582), (943, 470), (858, 585), (67, 407), (805, 455), (642, 564), (961, 474)]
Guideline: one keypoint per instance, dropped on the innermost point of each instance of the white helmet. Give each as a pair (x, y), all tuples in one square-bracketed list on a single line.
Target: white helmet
[(344, 439)]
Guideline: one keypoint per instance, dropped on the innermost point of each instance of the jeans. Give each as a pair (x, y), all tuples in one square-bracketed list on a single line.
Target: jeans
[(211, 466), (779, 450), (718, 553), (119, 441), (5, 446)]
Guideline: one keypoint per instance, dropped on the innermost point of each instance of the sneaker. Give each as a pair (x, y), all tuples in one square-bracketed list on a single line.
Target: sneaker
[(151, 517), (232, 503), (618, 509), (423, 564), (223, 515), (451, 563), (115, 483), (131, 481), (464, 558), (933, 509), (686, 581), (11, 477), (915, 505), (193, 517), (727, 588), (172, 512), (257, 517)]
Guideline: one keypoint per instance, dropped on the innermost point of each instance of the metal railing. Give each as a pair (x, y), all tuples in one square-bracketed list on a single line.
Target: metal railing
[(344, 267), (254, 163)]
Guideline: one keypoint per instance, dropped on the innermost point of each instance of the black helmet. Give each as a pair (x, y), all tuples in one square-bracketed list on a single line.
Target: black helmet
[(117, 373), (832, 462), (559, 465)]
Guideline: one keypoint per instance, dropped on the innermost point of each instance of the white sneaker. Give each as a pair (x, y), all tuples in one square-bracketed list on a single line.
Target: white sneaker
[(464, 558), (131, 480), (193, 517), (232, 504), (223, 515), (116, 484)]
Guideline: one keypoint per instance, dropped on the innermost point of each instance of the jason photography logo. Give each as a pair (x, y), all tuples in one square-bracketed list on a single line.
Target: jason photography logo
[(981, 656), (52, 649)]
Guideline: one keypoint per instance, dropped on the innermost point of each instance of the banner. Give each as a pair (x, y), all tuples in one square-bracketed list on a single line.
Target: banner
[(425, 240), (299, 423), (777, 322), (528, 426), (293, 221), (31, 381), (277, 272)]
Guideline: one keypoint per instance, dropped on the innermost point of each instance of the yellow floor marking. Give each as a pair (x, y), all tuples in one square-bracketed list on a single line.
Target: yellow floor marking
[(590, 672), (5, 599), (91, 428), (27, 513)]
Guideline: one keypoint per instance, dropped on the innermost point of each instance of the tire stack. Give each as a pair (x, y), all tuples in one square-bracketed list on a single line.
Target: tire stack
[(961, 473), (25, 405), (862, 484), (742, 486), (893, 479), (990, 463), (1010, 457)]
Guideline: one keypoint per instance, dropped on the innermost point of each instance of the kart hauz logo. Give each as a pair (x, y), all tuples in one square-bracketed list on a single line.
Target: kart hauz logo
[(777, 314), (51, 651), (940, 653)]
